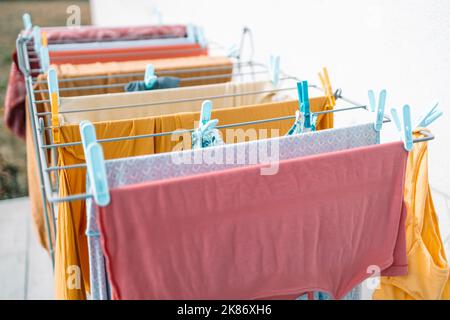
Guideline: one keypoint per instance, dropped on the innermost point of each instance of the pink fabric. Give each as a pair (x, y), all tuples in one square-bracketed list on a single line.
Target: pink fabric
[(14, 108), (91, 33), (316, 225)]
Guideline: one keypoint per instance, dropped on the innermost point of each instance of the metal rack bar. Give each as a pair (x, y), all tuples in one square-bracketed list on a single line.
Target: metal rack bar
[(43, 181)]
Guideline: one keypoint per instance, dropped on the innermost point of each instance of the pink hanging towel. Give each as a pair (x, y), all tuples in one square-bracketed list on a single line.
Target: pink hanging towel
[(322, 223)]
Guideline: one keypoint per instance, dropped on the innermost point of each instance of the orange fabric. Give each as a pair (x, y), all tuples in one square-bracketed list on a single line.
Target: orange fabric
[(34, 190)]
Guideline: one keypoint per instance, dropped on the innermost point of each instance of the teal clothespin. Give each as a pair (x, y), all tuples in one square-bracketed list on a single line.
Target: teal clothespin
[(378, 109), (27, 25), (274, 69), (37, 40), (45, 59), (53, 86), (190, 33), (407, 127), (201, 39), (403, 125), (205, 117), (205, 113), (150, 77), (428, 117), (95, 163), (205, 135), (303, 99)]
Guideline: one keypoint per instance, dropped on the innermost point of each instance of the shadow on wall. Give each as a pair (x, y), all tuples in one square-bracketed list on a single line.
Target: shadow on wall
[(13, 181)]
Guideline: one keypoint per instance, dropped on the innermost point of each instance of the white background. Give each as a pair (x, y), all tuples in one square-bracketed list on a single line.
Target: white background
[(402, 46)]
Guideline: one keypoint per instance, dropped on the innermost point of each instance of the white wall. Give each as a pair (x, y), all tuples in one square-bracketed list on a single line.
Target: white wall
[(401, 45)]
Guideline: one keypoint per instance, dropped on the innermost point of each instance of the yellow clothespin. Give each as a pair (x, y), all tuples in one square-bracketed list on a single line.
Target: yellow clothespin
[(326, 85), (44, 39), (53, 89)]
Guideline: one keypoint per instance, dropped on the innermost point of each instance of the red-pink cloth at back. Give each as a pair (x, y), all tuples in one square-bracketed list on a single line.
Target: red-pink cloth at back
[(320, 224)]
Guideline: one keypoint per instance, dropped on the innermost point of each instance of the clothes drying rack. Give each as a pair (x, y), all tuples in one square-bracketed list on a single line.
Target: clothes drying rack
[(44, 142)]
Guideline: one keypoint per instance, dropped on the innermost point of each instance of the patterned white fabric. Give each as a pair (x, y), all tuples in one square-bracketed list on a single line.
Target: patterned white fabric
[(190, 162)]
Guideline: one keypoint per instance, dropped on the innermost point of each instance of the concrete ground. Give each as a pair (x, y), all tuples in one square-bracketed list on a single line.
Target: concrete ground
[(25, 267)]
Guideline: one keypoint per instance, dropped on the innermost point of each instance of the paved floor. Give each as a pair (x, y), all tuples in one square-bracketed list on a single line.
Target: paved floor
[(25, 268)]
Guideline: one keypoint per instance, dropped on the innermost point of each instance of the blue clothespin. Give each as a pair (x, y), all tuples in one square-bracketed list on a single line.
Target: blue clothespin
[(407, 128), (205, 135), (205, 113), (378, 109), (404, 125), (303, 99), (27, 25), (190, 33), (200, 36), (205, 117), (150, 77), (45, 56), (37, 40), (45, 59), (274, 69), (428, 117), (95, 164)]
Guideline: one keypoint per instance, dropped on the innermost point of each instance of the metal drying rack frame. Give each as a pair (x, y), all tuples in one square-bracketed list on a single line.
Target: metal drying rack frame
[(48, 173)]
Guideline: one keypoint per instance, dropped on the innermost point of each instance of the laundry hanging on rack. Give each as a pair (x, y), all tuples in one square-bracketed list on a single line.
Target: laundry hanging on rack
[(428, 275), (198, 224), (101, 78), (126, 171), (71, 245), (73, 54), (107, 101), (15, 96), (14, 113), (34, 191), (94, 34), (128, 54)]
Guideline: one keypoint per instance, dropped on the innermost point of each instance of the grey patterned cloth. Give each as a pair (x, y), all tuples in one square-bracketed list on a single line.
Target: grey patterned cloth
[(140, 169)]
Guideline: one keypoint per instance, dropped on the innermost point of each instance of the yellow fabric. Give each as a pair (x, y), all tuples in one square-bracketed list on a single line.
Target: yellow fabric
[(147, 99), (71, 243), (428, 271)]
